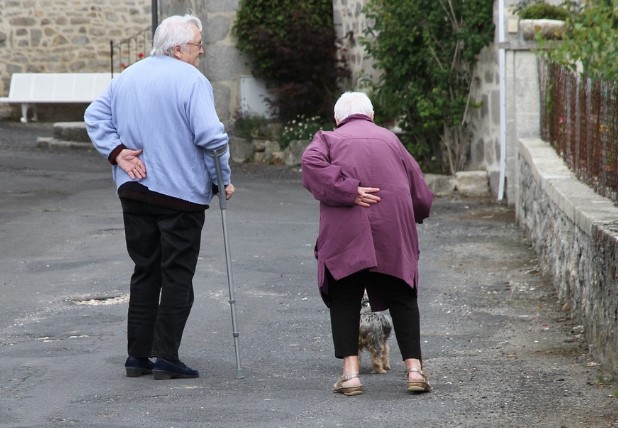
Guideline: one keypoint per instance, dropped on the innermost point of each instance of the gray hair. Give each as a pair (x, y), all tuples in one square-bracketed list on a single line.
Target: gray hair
[(353, 103), (174, 31)]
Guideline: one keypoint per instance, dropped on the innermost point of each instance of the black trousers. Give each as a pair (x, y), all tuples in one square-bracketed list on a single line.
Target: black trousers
[(345, 298), (164, 245)]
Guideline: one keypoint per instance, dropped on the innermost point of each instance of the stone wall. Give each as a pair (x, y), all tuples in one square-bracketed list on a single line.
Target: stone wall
[(350, 24), (484, 120), (222, 63), (75, 35), (574, 232), (70, 36)]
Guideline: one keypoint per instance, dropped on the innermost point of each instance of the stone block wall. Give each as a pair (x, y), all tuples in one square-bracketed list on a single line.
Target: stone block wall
[(574, 232), (63, 35), (484, 120), (222, 63), (350, 24), (74, 36)]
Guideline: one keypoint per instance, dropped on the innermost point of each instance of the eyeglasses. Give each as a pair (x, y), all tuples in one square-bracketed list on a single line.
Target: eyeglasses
[(198, 44)]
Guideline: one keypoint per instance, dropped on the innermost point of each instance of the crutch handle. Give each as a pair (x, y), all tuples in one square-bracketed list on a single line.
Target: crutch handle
[(218, 152), (216, 155)]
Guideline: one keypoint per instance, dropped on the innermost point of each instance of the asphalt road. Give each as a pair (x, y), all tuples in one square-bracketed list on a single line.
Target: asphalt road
[(498, 347)]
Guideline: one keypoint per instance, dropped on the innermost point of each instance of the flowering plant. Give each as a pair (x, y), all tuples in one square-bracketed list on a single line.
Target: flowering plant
[(302, 128)]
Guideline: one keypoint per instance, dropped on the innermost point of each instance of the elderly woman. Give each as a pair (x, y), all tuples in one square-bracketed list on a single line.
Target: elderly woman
[(372, 193)]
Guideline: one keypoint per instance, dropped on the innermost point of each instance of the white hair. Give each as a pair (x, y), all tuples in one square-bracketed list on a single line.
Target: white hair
[(174, 31), (351, 103)]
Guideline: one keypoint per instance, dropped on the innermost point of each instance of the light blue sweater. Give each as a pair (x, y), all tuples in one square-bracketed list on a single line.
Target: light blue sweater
[(165, 107)]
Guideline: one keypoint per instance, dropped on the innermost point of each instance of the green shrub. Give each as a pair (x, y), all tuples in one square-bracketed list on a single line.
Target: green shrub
[(292, 48), (541, 10), (426, 52), (590, 42)]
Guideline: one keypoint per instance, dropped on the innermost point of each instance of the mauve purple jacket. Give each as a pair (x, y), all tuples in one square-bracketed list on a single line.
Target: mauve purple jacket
[(382, 237)]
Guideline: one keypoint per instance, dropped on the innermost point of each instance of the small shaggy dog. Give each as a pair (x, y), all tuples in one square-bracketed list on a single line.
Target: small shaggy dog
[(375, 329)]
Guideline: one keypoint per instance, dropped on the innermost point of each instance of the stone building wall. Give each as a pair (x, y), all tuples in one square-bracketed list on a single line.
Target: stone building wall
[(484, 118), (350, 25), (222, 63), (64, 36)]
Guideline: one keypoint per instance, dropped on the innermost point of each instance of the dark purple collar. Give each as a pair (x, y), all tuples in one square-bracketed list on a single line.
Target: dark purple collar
[(353, 117)]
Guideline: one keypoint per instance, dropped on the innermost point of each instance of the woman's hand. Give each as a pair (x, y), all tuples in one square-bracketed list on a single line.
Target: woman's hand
[(365, 197)]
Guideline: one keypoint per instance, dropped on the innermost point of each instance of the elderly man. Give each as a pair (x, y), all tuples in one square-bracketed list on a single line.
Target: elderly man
[(155, 124), (372, 193)]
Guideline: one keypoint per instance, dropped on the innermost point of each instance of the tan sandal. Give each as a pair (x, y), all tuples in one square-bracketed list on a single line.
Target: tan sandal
[(417, 385), (347, 390)]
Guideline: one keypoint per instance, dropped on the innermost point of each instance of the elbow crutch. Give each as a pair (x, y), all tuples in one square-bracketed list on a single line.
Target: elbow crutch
[(216, 155)]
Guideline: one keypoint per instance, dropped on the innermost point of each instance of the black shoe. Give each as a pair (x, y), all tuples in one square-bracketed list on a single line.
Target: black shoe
[(172, 369), (137, 366)]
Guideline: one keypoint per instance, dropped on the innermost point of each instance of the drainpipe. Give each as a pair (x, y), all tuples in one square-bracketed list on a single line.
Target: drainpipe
[(155, 16), (502, 73)]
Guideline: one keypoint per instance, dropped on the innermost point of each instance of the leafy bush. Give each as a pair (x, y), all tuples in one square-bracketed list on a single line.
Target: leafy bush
[(590, 43), (542, 10), (292, 48), (427, 51)]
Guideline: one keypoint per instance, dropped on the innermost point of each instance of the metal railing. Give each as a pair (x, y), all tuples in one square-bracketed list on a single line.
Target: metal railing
[(130, 50), (579, 117)]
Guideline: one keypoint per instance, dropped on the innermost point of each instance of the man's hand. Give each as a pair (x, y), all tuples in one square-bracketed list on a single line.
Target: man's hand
[(365, 197), (229, 191), (130, 163)]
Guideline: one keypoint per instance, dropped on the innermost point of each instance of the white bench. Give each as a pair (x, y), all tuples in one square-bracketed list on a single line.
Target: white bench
[(29, 89)]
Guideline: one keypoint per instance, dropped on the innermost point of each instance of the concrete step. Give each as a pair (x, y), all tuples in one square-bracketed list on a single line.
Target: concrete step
[(71, 135)]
